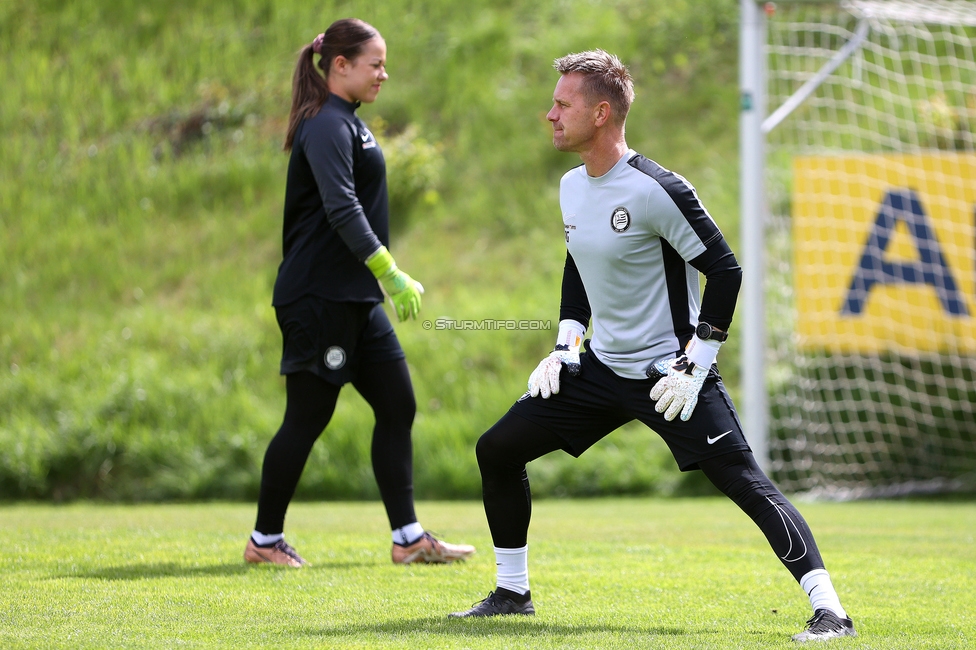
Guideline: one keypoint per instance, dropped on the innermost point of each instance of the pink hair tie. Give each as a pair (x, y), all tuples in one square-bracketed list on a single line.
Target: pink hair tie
[(317, 43)]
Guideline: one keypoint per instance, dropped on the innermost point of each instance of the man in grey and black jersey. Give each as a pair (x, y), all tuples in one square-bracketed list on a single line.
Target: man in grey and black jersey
[(637, 237)]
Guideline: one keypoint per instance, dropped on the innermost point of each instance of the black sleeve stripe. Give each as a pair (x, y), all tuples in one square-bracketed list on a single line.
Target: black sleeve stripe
[(723, 278), (684, 196), (676, 276), (573, 304)]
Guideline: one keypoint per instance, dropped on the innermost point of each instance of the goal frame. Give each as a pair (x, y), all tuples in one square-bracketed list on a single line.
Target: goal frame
[(755, 212), (753, 215)]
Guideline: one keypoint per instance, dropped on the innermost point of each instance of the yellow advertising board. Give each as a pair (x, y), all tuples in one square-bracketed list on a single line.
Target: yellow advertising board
[(884, 250)]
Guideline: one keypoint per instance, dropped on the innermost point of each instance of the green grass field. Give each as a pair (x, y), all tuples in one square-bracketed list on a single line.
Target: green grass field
[(614, 573), (141, 183)]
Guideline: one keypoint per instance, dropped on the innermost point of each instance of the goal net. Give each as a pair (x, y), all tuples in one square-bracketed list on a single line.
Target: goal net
[(870, 289)]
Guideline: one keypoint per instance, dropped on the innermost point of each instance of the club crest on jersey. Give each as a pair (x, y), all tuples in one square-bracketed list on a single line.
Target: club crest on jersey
[(620, 219), (335, 357)]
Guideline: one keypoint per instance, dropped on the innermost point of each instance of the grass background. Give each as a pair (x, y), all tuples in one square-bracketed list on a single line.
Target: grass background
[(606, 573), (141, 188)]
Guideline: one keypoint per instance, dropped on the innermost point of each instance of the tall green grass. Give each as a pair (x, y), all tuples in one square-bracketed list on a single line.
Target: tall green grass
[(141, 186)]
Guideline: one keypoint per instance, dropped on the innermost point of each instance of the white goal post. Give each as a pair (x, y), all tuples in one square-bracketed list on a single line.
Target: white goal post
[(858, 244)]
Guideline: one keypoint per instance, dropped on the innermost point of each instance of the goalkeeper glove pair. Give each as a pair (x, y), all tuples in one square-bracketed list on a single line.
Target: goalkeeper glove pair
[(403, 290), (677, 391)]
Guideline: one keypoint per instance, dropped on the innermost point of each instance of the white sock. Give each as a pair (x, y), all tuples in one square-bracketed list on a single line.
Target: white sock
[(818, 587), (264, 540), (512, 565), (407, 535)]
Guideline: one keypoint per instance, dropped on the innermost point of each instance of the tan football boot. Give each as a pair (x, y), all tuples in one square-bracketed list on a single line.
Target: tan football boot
[(280, 553), (430, 550)]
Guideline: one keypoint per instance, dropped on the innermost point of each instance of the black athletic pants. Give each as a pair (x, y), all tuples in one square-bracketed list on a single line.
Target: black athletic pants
[(311, 401), (513, 441)]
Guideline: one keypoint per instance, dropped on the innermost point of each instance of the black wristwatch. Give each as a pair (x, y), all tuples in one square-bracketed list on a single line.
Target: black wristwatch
[(704, 331)]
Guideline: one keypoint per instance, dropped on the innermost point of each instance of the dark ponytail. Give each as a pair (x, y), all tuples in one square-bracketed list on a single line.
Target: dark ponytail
[(309, 89)]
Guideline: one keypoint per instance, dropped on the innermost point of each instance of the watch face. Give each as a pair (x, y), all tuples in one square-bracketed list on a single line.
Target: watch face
[(703, 331)]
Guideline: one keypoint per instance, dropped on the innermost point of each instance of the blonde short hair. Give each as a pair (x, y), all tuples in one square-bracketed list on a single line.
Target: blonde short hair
[(604, 78)]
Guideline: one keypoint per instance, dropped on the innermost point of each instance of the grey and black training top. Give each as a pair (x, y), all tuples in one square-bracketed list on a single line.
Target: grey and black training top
[(336, 209), (636, 239)]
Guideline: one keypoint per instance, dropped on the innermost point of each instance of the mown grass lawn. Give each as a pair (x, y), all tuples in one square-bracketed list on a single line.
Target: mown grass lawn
[(609, 573)]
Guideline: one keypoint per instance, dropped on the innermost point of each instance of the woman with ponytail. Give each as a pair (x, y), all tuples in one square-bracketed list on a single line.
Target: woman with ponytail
[(327, 295)]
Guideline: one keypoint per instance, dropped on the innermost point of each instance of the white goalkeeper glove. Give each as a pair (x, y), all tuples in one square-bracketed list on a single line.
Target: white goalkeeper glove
[(544, 380), (678, 391)]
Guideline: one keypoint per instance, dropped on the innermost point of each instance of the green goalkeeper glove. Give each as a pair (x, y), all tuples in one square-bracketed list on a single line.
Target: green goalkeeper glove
[(403, 290)]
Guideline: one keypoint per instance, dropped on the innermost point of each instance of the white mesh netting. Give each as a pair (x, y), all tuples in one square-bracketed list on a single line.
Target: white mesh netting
[(871, 246)]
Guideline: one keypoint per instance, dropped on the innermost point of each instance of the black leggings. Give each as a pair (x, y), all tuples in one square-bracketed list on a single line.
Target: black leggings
[(311, 401), (513, 441)]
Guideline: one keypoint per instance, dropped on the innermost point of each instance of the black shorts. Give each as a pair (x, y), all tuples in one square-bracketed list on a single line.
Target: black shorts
[(591, 405), (334, 339)]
